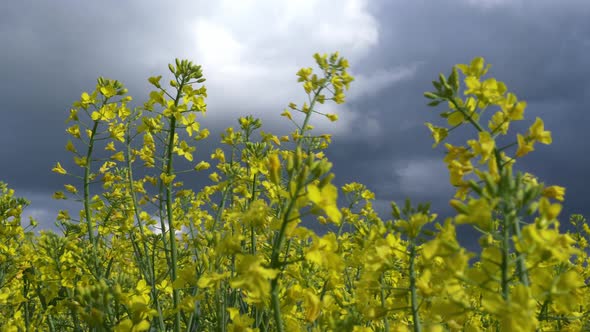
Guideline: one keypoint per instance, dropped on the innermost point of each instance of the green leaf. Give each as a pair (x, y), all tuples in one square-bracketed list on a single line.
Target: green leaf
[(155, 80)]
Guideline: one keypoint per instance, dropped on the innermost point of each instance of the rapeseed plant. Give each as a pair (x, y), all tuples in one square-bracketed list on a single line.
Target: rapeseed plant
[(146, 253)]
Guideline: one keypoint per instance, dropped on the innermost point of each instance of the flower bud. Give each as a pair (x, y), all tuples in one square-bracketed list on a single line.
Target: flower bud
[(395, 211), (532, 208), (490, 183), (298, 157), (475, 187), (274, 166), (327, 179)]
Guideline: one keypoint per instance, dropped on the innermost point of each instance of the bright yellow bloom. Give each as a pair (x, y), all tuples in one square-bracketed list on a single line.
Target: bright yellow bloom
[(477, 212), (458, 117), (555, 192), (204, 134), (457, 170), (545, 245), (413, 226), (547, 210), (475, 68), (86, 99), (117, 132), (538, 133), (71, 188), (70, 146), (74, 131), (80, 161), (155, 80), (167, 179), (485, 146), (73, 116), (332, 117), (119, 156), (212, 279), (438, 133), (105, 113), (253, 278), (214, 177), (157, 98), (191, 125), (499, 123), (473, 85), (287, 114), (517, 313), (202, 166), (219, 155), (59, 169), (108, 91), (240, 323), (516, 112), (110, 146), (524, 146), (312, 304), (326, 198), (184, 150)]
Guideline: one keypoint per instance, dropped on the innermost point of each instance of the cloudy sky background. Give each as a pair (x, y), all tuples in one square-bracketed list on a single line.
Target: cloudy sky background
[(250, 51)]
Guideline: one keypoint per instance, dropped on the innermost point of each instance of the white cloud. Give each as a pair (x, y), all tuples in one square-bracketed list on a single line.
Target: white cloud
[(251, 50), (423, 177), (372, 84), (44, 208), (39, 214), (489, 4)]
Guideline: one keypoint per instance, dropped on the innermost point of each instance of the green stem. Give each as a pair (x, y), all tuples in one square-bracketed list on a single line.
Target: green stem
[(87, 199), (505, 258), (252, 233), (385, 320), (26, 305), (278, 244), (146, 260), (44, 306), (276, 304), (171, 230), (520, 260), (413, 289)]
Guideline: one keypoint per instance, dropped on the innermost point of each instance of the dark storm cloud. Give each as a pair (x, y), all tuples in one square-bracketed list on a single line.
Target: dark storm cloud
[(539, 49), (51, 52)]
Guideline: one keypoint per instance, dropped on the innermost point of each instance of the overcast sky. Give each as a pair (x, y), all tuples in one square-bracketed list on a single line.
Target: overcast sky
[(51, 51)]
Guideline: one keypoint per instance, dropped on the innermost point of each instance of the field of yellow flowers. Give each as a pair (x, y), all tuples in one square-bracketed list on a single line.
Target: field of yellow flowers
[(145, 253)]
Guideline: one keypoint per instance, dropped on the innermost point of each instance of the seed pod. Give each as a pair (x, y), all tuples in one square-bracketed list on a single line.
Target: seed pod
[(459, 206), (303, 175), (491, 185), (325, 166), (316, 170), (274, 166), (475, 187), (532, 208), (290, 163), (298, 157), (327, 179)]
